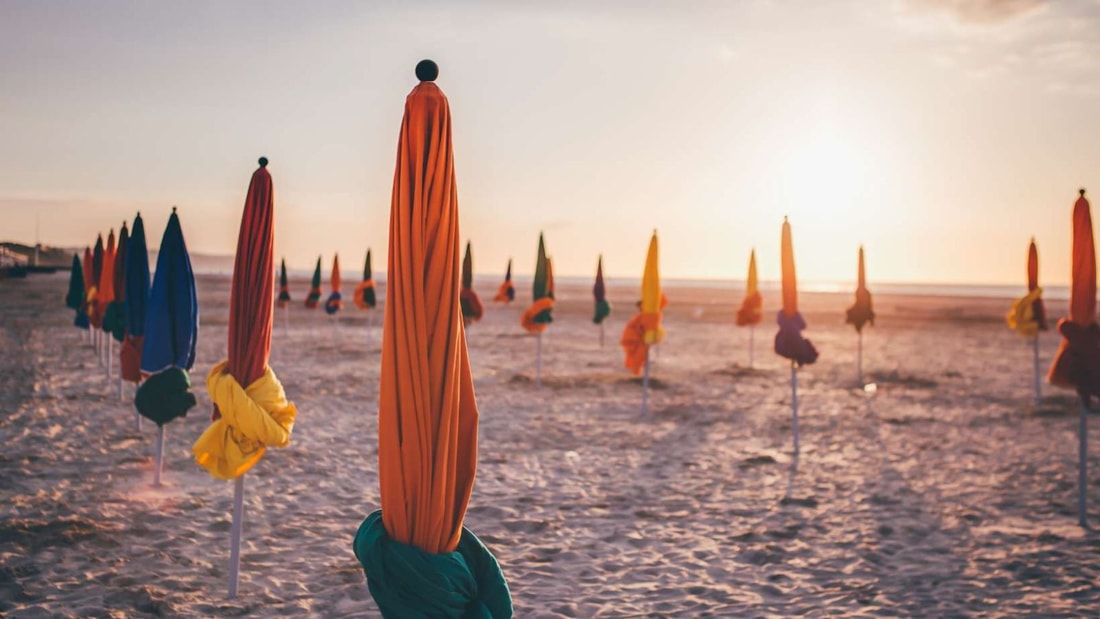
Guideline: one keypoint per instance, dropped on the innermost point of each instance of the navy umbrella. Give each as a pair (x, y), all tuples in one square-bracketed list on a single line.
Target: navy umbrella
[(171, 332)]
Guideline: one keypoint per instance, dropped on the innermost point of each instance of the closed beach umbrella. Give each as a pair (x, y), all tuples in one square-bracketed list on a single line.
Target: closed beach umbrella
[(599, 294), (93, 292), (418, 558), (171, 332), (335, 301), (1077, 363), (365, 298), (137, 297), (313, 298), (74, 299), (644, 329), (861, 313), (538, 315), (472, 310), (789, 342), (284, 287), (114, 318), (106, 284), (506, 293), (1028, 316), (251, 409), (751, 312)]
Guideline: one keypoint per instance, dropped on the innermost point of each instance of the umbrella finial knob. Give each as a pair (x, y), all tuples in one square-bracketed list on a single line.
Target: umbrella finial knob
[(1081, 191), (173, 210), (427, 70), (263, 162)]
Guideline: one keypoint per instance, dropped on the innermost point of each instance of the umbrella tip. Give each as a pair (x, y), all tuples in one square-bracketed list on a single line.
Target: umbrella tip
[(173, 210), (263, 162), (427, 70), (1081, 191)]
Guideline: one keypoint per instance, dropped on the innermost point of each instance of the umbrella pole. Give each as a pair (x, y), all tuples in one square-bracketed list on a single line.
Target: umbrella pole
[(601, 334), (645, 382), (120, 397), (752, 343), (235, 536), (158, 465), (286, 320), (370, 323), (1035, 356), (137, 419), (110, 355), (538, 361), (859, 360), (1082, 464), (794, 406)]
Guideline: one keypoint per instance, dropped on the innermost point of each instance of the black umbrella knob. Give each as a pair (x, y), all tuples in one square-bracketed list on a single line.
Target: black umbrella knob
[(427, 70), (1081, 191), (263, 162)]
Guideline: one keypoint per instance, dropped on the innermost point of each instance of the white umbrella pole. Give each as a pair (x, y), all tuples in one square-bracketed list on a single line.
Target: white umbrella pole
[(601, 334), (370, 323), (120, 397), (645, 382), (158, 464), (859, 360), (286, 320), (137, 420), (794, 406), (1082, 464), (752, 342), (235, 536), (1038, 387), (538, 361), (110, 354)]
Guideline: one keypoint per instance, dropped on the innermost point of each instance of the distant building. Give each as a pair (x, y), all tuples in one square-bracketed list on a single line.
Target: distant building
[(9, 258)]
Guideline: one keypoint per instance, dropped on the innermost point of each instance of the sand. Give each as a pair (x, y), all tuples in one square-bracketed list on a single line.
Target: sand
[(944, 493)]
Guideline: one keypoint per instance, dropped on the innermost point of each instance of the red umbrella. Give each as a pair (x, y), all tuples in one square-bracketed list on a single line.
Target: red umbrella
[(251, 410)]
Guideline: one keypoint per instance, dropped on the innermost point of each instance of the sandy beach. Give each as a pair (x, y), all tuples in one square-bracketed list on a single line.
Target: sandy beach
[(944, 493)]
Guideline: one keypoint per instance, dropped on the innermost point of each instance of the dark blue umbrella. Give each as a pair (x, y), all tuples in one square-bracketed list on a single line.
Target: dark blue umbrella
[(137, 297), (171, 331)]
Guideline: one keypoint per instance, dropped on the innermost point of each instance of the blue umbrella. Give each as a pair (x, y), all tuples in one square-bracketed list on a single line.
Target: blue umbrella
[(171, 331), (137, 297)]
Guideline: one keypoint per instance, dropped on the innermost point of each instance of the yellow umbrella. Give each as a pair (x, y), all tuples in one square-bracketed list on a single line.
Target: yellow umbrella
[(752, 307)]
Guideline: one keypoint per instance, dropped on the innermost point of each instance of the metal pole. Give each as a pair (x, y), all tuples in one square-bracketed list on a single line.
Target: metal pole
[(158, 465), (859, 360), (538, 361), (110, 354), (1038, 383), (235, 536), (137, 419), (601, 334), (645, 383), (1082, 465), (752, 342), (794, 405)]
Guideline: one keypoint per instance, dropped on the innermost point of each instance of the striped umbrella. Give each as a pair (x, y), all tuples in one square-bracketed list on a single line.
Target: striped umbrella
[(537, 317), (1028, 315), (418, 558), (364, 292)]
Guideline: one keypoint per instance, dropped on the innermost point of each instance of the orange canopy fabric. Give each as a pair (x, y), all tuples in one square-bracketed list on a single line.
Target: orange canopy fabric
[(789, 342), (1077, 362), (506, 293), (752, 307), (335, 301), (790, 283), (427, 415)]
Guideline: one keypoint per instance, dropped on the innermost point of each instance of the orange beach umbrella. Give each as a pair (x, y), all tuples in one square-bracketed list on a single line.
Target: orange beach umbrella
[(335, 301), (507, 292), (427, 413)]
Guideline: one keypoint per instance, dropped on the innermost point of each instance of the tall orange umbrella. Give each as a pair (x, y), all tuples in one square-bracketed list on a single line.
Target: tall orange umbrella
[(472, 309), (752, 306), (1028, 316), (507, 292), (1077, 363), (251, 411), (114, 317), (861, 313), (418, 558), (335, 301), (789, 342)]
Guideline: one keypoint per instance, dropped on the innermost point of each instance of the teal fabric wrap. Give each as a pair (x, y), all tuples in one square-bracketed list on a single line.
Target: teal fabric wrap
[(114, 320), (408, 583)]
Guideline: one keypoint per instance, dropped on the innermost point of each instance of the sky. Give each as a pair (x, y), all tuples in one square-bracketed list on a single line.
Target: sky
[(940, 134)]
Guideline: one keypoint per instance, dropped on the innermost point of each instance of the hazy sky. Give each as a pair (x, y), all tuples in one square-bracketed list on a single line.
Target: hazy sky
[(942, 134)]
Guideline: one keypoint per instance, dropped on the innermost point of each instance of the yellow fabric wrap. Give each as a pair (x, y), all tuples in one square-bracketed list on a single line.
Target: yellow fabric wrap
[(1021, 318), (251, 420)]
